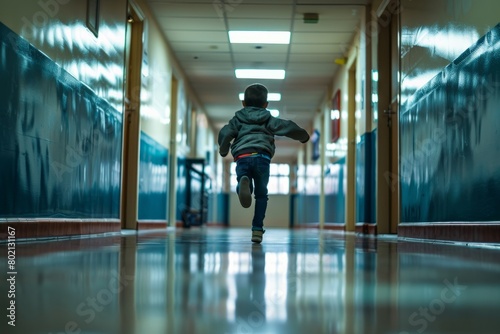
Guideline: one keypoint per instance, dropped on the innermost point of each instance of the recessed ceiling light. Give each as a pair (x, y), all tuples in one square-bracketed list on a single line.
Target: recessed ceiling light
[(270, 96), (259, 74), (260, 37)]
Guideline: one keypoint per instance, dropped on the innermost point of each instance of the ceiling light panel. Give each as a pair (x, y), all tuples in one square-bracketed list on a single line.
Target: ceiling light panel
[(260, 37), (259, 74)]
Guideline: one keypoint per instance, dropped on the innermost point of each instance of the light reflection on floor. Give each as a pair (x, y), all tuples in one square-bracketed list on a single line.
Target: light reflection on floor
[(215, 280)]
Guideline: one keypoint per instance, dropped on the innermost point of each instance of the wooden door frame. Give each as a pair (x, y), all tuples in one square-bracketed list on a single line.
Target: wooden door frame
[(172, 168), (350, 216), (387, 194), (131, 119)]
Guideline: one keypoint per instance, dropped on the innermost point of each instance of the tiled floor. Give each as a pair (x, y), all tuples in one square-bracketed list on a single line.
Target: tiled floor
[(216, 281)]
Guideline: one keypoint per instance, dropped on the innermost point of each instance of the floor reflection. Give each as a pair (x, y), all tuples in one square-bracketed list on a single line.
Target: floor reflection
[(217, 281)]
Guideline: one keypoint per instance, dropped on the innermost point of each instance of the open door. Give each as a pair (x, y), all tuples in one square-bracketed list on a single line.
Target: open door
[(388, 115), (131, 120)]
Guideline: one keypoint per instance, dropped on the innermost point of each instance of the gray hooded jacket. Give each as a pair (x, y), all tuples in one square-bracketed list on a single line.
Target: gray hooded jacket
[(253, 130)]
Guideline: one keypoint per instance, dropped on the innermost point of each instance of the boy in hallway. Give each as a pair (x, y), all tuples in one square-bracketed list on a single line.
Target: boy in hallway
[(252, 132)]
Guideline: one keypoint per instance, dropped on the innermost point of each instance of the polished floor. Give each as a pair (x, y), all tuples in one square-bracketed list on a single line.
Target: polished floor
[(214, 280)]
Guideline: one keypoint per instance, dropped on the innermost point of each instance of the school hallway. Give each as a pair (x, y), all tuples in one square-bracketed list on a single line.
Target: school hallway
[(214, 280)]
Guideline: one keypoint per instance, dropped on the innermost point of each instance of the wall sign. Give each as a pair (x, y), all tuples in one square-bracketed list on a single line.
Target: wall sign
[(93, 16)]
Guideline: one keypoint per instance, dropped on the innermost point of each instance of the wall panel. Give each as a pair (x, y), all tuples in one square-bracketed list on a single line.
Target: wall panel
[(365, 168), (450, 153), (153, 177), (60, 143), (335, 192)]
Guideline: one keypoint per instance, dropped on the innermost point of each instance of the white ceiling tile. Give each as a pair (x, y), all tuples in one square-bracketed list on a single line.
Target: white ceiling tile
[(330, 12), (321, 37), (257, 12), (197, 36), (271, 24), (165, 10), (250, 58), (205, 58), (191, 23), (265, 48), (200, 47), (319, 48), (346, 26)]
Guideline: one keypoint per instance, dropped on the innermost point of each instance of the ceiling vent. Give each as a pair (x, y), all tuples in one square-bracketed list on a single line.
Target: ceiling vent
[(311, 17)]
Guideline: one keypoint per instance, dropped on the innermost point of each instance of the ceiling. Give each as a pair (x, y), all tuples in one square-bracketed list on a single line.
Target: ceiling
[(197, 31)]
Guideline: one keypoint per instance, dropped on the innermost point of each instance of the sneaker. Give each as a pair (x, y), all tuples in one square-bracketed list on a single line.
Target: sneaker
[(257, 236), (244, 192)]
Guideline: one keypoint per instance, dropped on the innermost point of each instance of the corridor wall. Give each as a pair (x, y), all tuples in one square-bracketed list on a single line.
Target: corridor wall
[(449, 120), (60, 113)]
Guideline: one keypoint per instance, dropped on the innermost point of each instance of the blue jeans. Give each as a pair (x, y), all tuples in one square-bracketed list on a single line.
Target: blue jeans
[(257, 170)]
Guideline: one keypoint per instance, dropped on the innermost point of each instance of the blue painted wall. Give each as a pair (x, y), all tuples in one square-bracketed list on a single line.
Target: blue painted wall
[(305, 207), (60, 144), (222, 215), (335, 194), (153, 176), (450, 147), (365, 178)]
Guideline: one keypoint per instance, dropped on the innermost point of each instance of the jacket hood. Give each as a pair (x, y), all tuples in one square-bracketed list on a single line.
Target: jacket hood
[(253, 115)]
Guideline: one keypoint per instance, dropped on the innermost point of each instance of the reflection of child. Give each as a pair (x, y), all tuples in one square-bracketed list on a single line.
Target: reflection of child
[(252, 132)]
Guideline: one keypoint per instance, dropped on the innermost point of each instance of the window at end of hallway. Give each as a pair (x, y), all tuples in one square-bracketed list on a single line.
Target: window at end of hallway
[(279, 179)]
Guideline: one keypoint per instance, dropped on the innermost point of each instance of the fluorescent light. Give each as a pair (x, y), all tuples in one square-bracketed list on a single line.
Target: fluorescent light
[(259, 74), (273, 96), (274, 112), (260, 37), (270, 96)]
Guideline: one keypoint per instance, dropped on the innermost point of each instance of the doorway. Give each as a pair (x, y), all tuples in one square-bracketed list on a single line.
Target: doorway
[(131, 119), (172, 174), (388, 114), (350, 224)]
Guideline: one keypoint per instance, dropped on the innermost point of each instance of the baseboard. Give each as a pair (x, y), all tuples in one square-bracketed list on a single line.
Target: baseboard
[(463, 232), (365, 228), (151, 224), (326, 226), (208, 224), (45, 228), (215, 224)]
